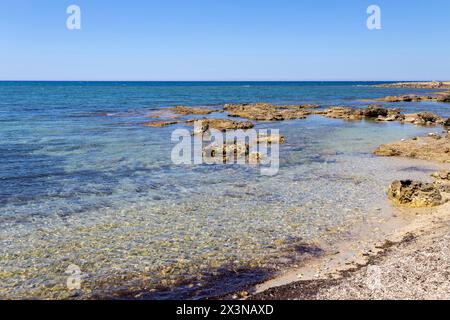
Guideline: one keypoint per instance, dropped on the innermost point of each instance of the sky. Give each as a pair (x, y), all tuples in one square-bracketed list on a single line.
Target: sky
[(224, 40)]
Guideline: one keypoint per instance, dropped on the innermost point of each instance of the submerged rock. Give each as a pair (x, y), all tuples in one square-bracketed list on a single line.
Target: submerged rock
[(415, 194), (269, 139)]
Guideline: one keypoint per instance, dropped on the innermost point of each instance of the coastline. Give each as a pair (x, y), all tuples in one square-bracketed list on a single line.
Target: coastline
[(352, 253), (411, 252)]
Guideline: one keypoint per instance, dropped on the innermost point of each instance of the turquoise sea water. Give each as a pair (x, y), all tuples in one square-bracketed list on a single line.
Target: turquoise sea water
[(83, 182)]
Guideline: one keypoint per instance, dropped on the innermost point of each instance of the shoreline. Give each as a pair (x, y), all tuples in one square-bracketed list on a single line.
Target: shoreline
[(333, 259), (354, 282)]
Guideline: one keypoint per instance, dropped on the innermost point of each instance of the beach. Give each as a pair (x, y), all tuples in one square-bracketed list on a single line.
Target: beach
[(90, 186)]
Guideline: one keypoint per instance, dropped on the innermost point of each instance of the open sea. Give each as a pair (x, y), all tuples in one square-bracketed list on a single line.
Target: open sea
[(88, 192)]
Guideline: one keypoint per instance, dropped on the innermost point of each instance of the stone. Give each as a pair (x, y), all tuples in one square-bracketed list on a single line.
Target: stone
[(447, 122), (182, 110), (268, 112), (222, 124), (424, 148), (269, 139), (415, 194), (159, 123), (442, 180)]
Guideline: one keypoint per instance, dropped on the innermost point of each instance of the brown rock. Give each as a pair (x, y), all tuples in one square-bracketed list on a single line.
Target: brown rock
[(447, 122), (425, 148), (190, 110), (415, 194), (443, 98), (223, 124), (268, 112), (423, 118), (159, 123), (269, 139), (442, 180), (340, 112), (425, 85)]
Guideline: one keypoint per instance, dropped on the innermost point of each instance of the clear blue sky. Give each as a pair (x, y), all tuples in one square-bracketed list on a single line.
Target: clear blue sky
[(224, 40)]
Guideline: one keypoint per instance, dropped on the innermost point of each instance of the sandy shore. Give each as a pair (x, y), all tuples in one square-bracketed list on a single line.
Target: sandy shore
[(413, 262)]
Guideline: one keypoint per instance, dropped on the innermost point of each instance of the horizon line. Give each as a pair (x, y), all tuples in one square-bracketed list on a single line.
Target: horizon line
[(34, 80)]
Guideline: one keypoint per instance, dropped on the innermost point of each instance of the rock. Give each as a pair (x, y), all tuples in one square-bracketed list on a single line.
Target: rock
[(268, 112), (223, 124), (443, 98), (425, 85), (442, 180), (375, 111), (423, 118), (190, 110), (447, 122), (269, 139), (341, 112), (415, 194), (255, 158), (424, 148), (404, 98), (159, 123), (227, 152), (371, 112)]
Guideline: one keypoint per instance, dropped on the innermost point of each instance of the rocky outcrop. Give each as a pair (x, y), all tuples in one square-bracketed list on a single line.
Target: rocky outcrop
[(222, 124), (341, 112), (159, 123), (424, 85), (440, 97), (415, 194), (405, 98), (442, 180), (445, 97), (268, 112), (182, 110), (433, 147), (423, 118), (375, 112), (447, 122)]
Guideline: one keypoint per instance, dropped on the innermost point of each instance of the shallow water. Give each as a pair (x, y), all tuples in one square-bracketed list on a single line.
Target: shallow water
[(82, 182)]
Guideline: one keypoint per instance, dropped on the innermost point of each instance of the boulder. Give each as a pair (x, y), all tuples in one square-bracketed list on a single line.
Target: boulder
[(415, 194)]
